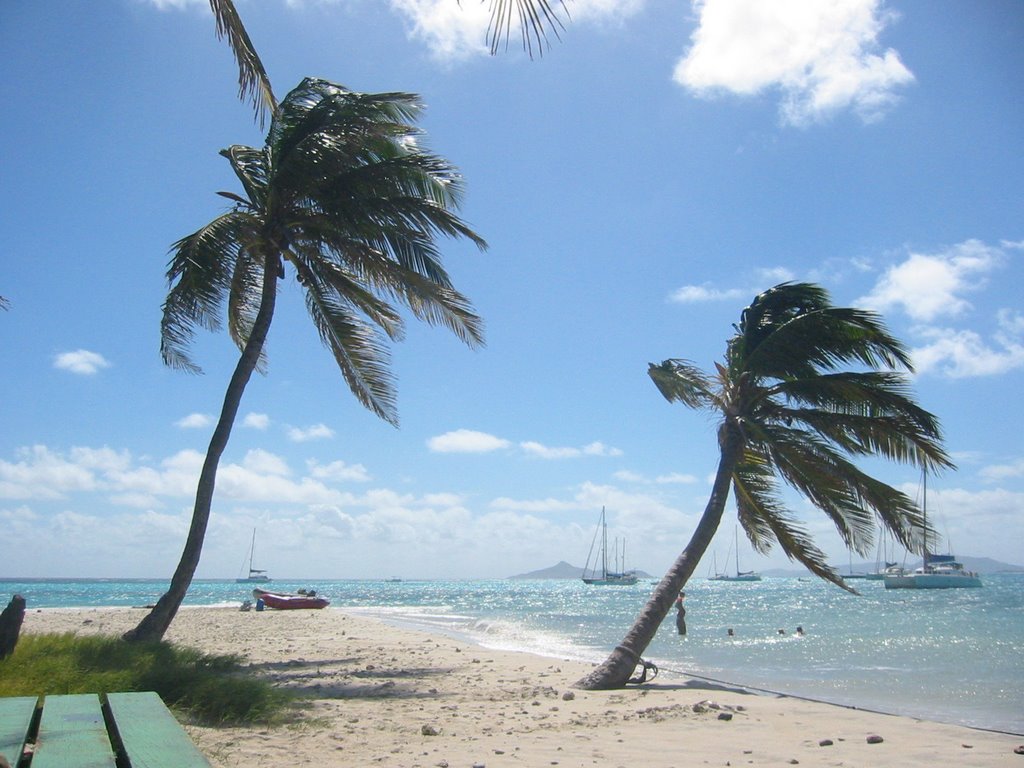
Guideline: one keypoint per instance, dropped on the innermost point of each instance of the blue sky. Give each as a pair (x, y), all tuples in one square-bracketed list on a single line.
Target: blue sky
[(638, 184)]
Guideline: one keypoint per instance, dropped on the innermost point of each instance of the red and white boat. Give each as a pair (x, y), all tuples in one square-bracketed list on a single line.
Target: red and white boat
[(283, 602)]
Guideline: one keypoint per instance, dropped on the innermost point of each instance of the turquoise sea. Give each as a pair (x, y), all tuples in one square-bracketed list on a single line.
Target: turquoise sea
[(954, 656)]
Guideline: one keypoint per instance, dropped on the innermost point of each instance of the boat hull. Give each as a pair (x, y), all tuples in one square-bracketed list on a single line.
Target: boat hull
[(624, 580), (932, 581), (282, 602)]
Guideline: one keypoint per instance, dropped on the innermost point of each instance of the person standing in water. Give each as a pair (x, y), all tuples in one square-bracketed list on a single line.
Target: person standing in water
[(681, 614)]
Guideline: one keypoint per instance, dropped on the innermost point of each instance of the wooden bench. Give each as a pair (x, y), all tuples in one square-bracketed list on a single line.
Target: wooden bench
[(114, 730)]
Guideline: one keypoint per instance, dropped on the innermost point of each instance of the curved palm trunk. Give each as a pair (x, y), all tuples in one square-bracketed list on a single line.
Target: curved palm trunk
[(155, 623), (616, 669)]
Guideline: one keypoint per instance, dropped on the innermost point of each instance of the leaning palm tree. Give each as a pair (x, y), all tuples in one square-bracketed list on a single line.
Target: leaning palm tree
[(788, 410), (343, 193)]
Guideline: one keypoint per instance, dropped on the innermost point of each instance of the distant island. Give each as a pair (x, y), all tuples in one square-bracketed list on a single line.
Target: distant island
[(563, 570), (983, 565)]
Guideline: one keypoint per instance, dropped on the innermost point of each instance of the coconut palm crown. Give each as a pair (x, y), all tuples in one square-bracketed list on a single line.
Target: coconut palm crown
[(343, 194), (806, 388)]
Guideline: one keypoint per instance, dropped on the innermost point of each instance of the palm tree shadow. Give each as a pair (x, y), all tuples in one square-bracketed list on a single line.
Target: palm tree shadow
[(338, 679)]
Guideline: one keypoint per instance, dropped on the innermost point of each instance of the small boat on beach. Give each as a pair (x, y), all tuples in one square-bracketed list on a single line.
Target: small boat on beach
[(601, 575), (256, 575), (740, 575), (284, 602)]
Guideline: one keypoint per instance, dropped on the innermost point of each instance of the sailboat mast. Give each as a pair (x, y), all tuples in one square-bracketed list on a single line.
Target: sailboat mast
[(252, 550), (604, 545)]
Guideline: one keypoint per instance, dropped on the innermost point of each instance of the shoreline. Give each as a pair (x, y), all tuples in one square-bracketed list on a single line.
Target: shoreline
[(405, 698)]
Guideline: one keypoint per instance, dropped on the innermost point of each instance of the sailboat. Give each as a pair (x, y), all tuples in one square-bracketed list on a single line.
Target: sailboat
[(740, 575), (936, 571), (255, 574), (600, 574)]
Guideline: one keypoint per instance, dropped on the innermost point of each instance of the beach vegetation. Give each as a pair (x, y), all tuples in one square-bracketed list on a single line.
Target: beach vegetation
[(210, 688), (805, 389), (344, 196)]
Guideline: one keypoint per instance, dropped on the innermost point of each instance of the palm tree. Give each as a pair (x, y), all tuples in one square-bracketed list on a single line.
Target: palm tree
[(343, 192), (787, 410), (534, 17)]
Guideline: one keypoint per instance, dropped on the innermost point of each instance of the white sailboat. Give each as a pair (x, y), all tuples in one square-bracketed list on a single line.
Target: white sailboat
[(740, 575), (601, 575), (255, 574), (936, 571)]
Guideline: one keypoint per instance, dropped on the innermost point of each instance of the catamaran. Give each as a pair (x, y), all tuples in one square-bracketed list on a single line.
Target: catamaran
[(936, 571), (601, 574)]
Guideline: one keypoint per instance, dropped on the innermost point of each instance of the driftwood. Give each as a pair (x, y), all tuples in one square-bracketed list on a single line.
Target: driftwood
[(10, 625)]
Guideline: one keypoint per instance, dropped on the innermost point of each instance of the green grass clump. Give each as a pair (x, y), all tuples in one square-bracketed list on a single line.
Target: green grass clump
[(213, 689)]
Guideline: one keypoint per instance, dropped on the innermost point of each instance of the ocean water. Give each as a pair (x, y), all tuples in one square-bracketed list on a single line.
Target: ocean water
[(953, 656)]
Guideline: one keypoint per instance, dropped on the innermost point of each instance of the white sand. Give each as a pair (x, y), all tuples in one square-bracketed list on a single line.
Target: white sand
[(382, 696)]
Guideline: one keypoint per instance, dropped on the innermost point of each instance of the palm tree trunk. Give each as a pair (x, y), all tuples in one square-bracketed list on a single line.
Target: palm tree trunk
[(154, 625), (617, 668)]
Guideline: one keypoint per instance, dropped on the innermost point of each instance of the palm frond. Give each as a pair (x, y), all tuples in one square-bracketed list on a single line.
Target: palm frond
[(356, 347), (244, 299), (765, 519), (199, 274), (253, 82), (534, 18), (681, 381), (252, 168)]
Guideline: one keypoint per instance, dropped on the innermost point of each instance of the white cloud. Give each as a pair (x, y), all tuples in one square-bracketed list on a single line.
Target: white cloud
[(315, 432), (674, 478), (697, 294), (929, 286), (466, 441), (823, 56), (963, 354), (999, 472), (256, 421), (40, 473), (458, 30), (547, 452), (451, 30), (339, 471), (81, 361), (264, 462), (194, 421)]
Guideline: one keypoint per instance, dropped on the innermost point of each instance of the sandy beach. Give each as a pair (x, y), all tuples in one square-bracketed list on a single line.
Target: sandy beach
[(387, 696)]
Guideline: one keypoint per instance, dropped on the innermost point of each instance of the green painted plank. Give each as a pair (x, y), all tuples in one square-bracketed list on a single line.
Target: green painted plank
[(15, 720), (152, 738), (72, 733)]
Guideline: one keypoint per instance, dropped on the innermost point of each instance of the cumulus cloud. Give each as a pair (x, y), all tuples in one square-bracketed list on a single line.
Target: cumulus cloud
[(256, 421), (456, 31), (1000, 472), (698, 294), (822, 56), (315, 432), (547, 452), (194, 421), (466, 441), (929, 286), (81, 361), (339, 471), (962, 354)]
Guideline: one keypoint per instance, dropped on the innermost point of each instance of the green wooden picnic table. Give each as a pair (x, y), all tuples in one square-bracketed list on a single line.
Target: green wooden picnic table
[(114, 730)]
